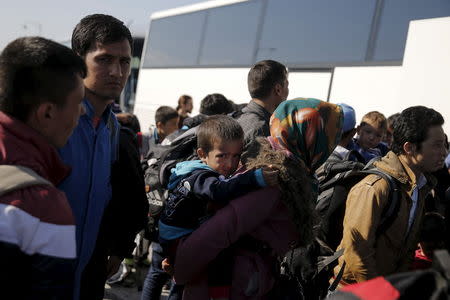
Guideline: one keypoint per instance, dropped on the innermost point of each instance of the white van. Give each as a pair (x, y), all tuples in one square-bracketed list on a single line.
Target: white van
[(371, 54)]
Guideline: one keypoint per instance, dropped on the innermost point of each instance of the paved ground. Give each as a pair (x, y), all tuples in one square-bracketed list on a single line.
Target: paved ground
[(119, 292), (127, 290)]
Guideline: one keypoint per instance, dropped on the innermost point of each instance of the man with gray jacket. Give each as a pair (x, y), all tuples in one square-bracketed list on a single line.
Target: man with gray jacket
[(268, 86)]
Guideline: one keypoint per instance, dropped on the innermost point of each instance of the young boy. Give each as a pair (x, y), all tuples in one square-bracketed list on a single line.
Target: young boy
[(369, 134), (198, 188), (166, 123)]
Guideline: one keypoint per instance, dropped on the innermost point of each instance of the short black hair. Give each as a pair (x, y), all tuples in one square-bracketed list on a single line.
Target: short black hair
[(164, 114), (100, 28), (263, 76), (412, 126), (215, 104), (34, 70), (215, 128)]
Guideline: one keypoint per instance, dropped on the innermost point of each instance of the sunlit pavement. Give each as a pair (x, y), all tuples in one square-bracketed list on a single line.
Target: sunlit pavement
[(118, 292)]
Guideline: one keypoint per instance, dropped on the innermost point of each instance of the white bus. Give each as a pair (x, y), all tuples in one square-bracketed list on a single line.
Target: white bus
[(371, 54)]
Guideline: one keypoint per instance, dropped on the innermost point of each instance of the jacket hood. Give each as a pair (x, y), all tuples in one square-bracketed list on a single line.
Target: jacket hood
[(22, 145), (183, 169)]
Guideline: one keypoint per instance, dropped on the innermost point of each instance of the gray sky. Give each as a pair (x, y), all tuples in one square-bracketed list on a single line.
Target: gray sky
[(56, 19)]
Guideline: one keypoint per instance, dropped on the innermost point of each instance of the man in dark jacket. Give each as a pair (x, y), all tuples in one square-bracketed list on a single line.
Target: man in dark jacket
[(41, 93), (124, 217), (268, 86)]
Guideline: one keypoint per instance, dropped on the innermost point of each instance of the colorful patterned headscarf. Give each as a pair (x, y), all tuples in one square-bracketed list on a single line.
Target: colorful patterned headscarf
[(307, 128)]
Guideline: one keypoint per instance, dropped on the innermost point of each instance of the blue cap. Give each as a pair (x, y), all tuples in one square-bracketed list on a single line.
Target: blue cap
[(349, 117)]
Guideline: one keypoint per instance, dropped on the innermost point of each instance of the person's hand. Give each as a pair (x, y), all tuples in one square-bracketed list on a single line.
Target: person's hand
[(270, 175), (167, 267), (113, 265)]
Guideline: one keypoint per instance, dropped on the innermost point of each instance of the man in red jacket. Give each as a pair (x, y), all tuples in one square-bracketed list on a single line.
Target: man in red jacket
[(41, 89)]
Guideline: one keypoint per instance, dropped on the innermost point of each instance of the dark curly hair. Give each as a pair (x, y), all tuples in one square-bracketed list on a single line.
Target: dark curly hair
[(412, 126)]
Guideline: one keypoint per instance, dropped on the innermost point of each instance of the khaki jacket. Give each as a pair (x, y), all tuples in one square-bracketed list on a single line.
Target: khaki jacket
[(365, 254)]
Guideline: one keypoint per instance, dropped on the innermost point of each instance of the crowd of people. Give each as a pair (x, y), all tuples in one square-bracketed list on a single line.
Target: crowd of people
[(75, 188)]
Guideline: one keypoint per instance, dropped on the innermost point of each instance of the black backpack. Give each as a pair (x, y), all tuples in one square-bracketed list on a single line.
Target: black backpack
[(336, 177), (157, 169), (306, 271)]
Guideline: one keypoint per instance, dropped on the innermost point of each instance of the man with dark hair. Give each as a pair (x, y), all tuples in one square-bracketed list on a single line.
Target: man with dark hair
[(41, 93), (212, 104), (418, 149), (166, 120), (164, 116), (215, 104), (105, 44), (268, 86)]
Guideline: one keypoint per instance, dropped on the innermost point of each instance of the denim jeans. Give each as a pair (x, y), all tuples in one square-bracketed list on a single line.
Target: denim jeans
[(156, 278)]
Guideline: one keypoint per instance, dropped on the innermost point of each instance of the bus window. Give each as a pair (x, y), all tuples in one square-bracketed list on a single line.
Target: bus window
[(174, 41), (230, 35), (394, 23), (316, 31)]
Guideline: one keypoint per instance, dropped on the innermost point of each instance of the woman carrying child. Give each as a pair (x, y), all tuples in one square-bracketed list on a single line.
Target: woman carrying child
[(303, 134)]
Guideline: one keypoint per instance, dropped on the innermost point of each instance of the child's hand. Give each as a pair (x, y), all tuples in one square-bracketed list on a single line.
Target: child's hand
[(270, 175), (167, 267)]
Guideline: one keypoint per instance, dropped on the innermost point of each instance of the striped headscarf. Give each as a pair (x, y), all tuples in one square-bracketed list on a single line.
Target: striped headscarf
[(308, 129)]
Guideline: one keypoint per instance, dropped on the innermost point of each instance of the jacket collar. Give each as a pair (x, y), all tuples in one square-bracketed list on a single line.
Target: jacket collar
[(90, 113), (257, 109), (397, 167)]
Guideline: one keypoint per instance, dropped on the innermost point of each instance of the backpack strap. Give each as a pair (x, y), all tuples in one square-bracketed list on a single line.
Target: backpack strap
[(390, 211), (338, 278), (19, 177), (353, 154), (327, 260)]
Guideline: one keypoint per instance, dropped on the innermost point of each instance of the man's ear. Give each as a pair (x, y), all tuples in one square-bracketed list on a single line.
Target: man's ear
[(45, 112), (201, 153), (277, 88), (409, 148)]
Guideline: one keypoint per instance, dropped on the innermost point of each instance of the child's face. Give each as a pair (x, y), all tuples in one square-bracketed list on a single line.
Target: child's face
[(167, 128), (224, 157), (369, 135)]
